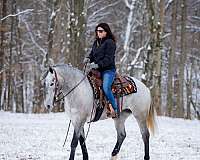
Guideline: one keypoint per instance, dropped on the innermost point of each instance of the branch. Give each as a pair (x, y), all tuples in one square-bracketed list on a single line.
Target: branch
[(13, 15), (94, 4), (193, 28), (166, 35), (104, 8), (139, 52), (127, 3), (33, 39), (168, 4)]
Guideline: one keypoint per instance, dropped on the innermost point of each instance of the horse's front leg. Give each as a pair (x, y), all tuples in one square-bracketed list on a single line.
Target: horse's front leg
[(83, 144), (78, 135), (74, 144)]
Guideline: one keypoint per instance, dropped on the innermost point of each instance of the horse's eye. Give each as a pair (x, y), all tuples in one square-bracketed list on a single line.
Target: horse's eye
[(51, 84)]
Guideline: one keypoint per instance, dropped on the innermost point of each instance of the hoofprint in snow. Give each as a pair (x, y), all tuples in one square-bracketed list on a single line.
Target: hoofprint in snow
[(41, 136)]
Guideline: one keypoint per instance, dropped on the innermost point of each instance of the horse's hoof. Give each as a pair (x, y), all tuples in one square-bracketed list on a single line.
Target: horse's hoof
[(114, 157)]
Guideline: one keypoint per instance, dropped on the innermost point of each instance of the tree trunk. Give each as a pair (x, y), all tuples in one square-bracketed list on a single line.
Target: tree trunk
[(51, 29), (189, 89), (20, 107), (2, 48), (76, 31), (180, 106), (126, 45), (170, 91), (154, 54), (10, 78)]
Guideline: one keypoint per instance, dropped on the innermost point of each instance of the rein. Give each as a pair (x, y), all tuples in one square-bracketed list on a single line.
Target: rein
[(56, 87), (57, 100)]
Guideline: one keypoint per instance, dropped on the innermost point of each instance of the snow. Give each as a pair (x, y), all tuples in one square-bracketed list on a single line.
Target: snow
[(143, 77), (149, 47), (41, 136)]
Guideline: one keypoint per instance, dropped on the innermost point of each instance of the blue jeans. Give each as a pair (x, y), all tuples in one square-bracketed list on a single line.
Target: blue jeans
[(108, 77)]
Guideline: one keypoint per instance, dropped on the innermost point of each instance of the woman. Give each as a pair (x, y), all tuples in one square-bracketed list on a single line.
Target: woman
[(103, 58)]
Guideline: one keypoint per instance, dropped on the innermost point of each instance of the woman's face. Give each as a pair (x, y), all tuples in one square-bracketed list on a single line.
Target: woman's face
[(101, 32)]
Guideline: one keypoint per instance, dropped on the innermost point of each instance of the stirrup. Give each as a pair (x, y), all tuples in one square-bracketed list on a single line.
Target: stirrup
[(115, 114)]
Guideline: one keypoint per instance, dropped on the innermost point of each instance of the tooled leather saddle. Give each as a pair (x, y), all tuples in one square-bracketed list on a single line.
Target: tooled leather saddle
[(122, 86)]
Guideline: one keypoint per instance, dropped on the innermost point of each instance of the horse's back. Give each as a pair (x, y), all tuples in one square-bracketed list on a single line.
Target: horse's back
[(140, 101)]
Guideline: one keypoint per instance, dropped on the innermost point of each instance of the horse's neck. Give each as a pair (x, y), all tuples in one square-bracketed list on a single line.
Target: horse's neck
[(74, 76), (71, 76)]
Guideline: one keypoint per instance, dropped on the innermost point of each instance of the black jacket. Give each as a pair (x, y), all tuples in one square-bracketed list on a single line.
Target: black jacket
[(103, 54)]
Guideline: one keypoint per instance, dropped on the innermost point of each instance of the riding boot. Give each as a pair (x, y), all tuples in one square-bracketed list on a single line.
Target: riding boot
[(115, 114)]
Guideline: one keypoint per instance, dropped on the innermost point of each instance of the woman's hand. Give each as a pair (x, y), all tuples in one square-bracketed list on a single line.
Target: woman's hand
[(93, 65), (86, 60)]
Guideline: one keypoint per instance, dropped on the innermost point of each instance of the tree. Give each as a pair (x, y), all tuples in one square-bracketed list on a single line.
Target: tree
[(2, 49), (153, 68), (180, 104), (170, 89), (55, 8), (76, 29), (10, 70), (189, 74)]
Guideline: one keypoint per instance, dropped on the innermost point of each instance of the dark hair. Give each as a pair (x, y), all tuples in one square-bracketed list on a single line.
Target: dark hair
[(107, 29)]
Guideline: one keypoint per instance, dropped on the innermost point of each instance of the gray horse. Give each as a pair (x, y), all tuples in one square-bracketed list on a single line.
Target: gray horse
[(79, 106)]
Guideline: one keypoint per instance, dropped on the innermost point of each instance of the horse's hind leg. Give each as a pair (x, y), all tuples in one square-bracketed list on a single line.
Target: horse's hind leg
[(145, 136), (121, 132), (83, 145)]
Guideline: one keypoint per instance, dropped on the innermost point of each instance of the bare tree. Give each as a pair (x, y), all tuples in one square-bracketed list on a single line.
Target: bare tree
[(10, 71), (154, 54), (76, 31), (2, 49), (180, 104), (189, 72), (170, 89), (55, 8)]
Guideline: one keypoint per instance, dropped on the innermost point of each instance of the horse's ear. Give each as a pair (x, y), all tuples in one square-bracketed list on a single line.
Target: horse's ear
[(51, 69)]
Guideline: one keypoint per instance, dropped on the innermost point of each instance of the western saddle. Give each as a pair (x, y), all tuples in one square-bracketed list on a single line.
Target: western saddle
[(122, 85)]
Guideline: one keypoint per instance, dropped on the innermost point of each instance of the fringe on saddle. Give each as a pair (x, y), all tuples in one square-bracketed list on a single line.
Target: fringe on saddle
[(122, 86)]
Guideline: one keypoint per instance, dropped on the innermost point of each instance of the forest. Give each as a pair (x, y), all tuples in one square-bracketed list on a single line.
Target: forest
[(158, 42)]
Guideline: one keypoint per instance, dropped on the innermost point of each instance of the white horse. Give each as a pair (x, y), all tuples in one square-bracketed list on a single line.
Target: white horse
[(62, 78)]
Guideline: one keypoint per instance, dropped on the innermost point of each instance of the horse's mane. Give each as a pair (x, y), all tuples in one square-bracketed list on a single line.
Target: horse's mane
[(64, 66)]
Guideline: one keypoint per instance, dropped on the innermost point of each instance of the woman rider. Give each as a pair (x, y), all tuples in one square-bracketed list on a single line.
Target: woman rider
[(102, 57)]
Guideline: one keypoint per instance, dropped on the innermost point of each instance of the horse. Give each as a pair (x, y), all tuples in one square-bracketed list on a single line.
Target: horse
[(80, 102)]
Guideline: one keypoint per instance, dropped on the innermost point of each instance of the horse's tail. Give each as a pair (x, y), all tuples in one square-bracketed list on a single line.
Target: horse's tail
[(151, 119)]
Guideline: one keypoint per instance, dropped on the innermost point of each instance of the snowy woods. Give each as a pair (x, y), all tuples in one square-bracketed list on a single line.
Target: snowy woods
[(158, 42)]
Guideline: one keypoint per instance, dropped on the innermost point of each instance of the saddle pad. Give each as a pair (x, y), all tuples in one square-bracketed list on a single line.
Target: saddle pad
[(121, 86)]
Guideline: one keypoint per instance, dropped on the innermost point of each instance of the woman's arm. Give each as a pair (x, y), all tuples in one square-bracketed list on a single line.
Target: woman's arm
[(91, 57)]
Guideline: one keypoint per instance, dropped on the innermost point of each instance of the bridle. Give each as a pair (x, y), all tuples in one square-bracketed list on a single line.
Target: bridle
[(58, 92), (56, 88)]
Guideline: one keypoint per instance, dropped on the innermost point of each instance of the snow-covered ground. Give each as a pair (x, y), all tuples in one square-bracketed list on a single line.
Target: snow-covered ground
[(41, 136)]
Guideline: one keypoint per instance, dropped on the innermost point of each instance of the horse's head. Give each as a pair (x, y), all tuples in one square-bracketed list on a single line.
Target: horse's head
[(50, 88)]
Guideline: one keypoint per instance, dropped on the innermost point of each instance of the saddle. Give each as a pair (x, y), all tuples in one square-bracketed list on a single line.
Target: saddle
[(122, 86)]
